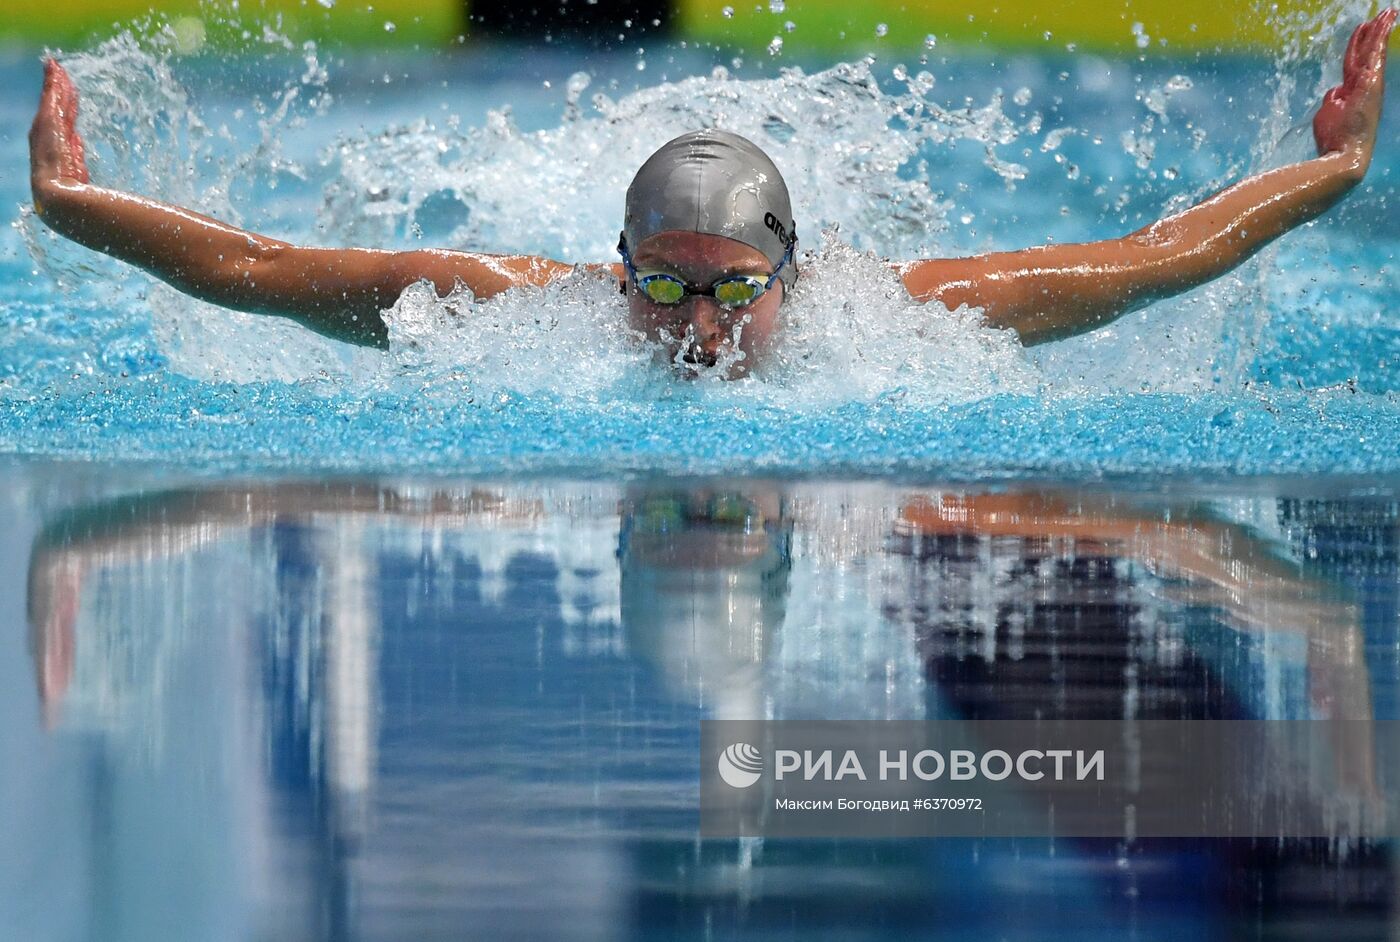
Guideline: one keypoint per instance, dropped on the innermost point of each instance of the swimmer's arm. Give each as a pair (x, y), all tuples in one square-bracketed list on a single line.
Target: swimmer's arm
[(77, 546), (1052, 292), (1221, 565), (336, 292), (1185, 542), (167, 523)]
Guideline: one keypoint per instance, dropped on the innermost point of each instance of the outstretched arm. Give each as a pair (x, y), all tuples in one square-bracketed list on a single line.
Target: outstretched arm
[(336, 292), (1057, 291), (78, 546), (1221, 564)]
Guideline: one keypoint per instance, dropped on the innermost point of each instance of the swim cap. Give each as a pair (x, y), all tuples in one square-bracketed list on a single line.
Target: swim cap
[(714, 182)]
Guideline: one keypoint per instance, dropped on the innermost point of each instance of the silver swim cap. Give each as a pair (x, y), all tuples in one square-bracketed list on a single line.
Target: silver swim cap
[(714, 182)]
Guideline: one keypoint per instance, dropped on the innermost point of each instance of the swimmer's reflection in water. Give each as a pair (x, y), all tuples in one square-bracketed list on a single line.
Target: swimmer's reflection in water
[(1060, 566), (708, 248), (704, 575), (1067, 632), (704, 586), (1022, 605), (706, 599)]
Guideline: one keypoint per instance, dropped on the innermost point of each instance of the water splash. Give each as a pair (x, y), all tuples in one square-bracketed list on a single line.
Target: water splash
[(831, 131), (567, 340), (877, 161)]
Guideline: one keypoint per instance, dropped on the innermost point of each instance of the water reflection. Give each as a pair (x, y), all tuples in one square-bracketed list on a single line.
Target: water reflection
[(1037, 605), (704, 588), (386, 709)]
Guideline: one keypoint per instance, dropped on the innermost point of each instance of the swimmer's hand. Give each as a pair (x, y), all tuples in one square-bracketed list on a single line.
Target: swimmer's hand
[(1346, 121), (338, 292), (55, 148)]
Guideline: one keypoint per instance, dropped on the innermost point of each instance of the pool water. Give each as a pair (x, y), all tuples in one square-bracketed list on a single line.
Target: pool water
[(1287, 365), (303, 641), (434, 708)]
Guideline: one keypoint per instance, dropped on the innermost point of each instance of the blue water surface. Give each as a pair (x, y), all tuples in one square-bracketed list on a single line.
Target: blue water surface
[(382, 708), (1286, 366)]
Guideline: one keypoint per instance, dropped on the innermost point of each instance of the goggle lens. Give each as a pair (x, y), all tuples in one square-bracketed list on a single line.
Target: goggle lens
[(663, 290), (668, 514), (737, 292), (660, 515)]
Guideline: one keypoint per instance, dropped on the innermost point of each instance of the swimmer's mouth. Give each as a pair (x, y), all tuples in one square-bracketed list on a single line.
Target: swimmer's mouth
[(699, 358)]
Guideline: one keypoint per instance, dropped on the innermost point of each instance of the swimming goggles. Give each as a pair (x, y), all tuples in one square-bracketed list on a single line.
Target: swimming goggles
[(665, 513), (734, 291), (674, 516)]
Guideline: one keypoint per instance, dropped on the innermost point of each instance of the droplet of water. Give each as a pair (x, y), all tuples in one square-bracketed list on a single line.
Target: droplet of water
[(727, 13), (328, 4), (1054, 139), (930, 41), (789, 26), (389, 26), (881, 29), (778, 128), (577, 83), (189, 34), (1022, 96), (777, 6), (776, 46)]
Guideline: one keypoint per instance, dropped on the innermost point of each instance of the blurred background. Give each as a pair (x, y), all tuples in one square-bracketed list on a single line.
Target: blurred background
[(803, 25)]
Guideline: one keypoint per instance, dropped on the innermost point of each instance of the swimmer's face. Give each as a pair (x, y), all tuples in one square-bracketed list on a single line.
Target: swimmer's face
[(698, 330)]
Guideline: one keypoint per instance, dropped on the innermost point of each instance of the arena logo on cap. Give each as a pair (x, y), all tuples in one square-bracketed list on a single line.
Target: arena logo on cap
[(775, 226), (740, 765)]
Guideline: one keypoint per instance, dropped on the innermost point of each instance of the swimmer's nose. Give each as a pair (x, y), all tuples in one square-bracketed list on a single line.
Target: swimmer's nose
[(705, 321)]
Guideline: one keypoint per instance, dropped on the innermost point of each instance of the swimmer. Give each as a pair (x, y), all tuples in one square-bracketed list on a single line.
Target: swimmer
[(708, 240)]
